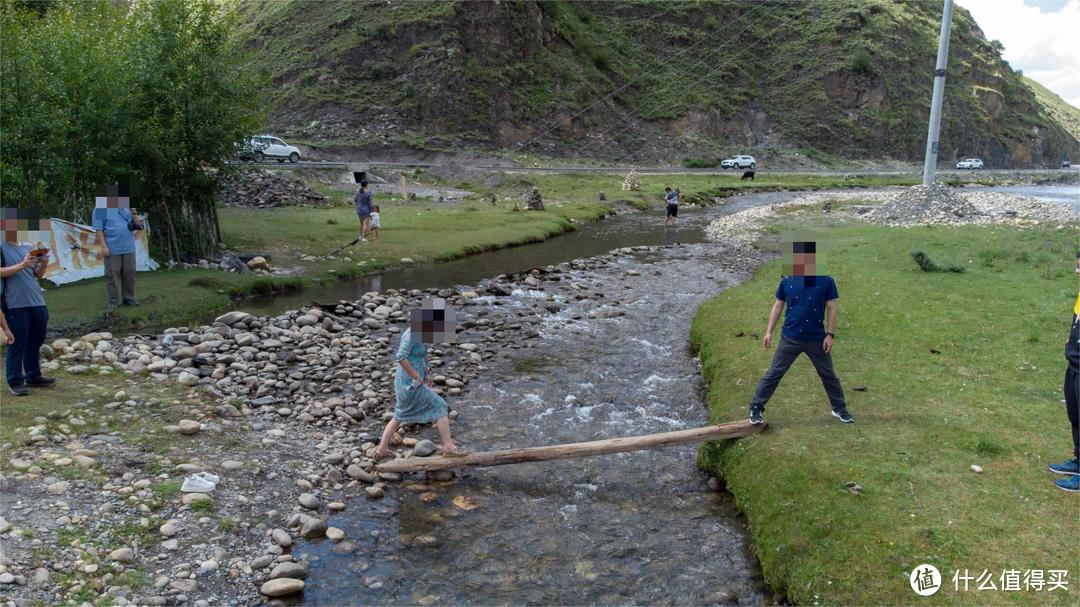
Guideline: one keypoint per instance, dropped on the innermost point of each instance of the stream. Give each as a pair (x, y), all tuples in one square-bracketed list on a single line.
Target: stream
[(638, 528)]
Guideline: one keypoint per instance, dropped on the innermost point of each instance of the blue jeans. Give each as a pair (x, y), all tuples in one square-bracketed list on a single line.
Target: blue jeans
[(23, 359), (786, 353)]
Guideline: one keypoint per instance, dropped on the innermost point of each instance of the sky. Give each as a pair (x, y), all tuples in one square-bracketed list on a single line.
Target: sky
[(1041, 37)]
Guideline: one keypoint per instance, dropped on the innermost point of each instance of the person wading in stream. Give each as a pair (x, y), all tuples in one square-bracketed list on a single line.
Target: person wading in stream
[(416, 402), (807, 296)]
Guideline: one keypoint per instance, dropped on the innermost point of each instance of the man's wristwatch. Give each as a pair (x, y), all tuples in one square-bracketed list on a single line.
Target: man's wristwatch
[(831, 334)]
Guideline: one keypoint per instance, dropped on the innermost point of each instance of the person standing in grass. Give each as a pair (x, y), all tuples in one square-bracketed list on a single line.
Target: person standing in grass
[(23, 306), (1072, 401), (672, 199), (376, 222), (363, 202), (807, 297), (115, 224)]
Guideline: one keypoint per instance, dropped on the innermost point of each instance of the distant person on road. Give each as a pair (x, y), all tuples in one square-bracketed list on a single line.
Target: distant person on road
[(363, 209), (376, 222), (25, 314), (672, 206), (1072, 401), (807, 296), (416, 402), (115, 224)]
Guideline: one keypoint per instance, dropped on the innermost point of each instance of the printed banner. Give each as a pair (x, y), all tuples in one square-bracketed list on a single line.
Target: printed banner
[(75, 253)]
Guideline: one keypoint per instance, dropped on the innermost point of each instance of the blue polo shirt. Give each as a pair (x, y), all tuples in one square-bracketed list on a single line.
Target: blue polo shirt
[(805, 298), (114, 222), (21, 289)]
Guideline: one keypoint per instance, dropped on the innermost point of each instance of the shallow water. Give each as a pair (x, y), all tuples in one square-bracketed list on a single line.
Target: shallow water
[(629, 528)]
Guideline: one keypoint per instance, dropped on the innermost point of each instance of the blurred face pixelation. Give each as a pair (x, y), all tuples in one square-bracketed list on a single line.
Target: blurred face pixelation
[(115, 196), (23, 225), (432, 322), (802, 255)]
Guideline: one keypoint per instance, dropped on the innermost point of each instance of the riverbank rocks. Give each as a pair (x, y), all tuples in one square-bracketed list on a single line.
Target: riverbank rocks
[(289, 570), (281, 587), (424, 448), (632, 183), (122, 555)]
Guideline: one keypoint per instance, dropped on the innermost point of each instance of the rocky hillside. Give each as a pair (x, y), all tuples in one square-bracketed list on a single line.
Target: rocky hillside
[(642, 80)]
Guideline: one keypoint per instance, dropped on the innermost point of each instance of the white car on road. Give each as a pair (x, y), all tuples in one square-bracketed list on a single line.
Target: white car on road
[(267, 146), (970, 163), (739, 162)]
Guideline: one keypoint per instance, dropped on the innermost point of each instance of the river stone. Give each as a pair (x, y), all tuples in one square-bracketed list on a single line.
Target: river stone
[(335, 534), (232, 465), (231, 318), (424, 448), (122, 555), (281, 538), (168, 529), (191, 498), (306, 320), (309, 501), (281, 587), (336, 506), (374, 492), (188, 426), (58, 487), (312, 527), (359, 474), (262, 561), (289, 570), (187, 379)]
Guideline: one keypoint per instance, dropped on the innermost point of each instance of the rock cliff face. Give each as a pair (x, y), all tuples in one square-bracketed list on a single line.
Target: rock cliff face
[(643, 81)]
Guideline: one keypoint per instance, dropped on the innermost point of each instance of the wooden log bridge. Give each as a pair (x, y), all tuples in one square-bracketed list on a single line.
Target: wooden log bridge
[(597, 447)]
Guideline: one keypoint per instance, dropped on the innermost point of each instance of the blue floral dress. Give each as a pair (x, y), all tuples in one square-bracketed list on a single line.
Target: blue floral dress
[(421, 405)]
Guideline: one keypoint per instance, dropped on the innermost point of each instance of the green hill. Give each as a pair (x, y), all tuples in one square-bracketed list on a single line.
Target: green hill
[(642, 80), (1066, 115)]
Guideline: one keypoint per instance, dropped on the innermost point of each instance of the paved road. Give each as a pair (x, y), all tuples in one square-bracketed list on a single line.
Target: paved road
[(308, 164)]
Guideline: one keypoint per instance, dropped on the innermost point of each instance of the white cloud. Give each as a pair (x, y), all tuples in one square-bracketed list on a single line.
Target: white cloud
[(1041, 37)]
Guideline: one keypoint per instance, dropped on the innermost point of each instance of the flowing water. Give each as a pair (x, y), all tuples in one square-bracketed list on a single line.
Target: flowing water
[(641, 527)]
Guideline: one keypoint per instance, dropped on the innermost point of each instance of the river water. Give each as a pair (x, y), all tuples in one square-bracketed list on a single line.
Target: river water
[(641, 528)]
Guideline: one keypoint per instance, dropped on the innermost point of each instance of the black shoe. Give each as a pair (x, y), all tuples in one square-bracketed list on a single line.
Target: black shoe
[(757, 415), (843, 415), (18, 389), (134, 303), (41, 382)]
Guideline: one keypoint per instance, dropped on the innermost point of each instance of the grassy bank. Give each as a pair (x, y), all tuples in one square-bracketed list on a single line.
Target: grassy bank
[(959, 369), (292, 236)]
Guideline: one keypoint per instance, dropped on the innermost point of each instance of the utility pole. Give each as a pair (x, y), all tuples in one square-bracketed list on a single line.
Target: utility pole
[(930, 165)]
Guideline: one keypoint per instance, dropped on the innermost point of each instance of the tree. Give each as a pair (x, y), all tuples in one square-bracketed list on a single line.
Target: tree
[(93, 92)]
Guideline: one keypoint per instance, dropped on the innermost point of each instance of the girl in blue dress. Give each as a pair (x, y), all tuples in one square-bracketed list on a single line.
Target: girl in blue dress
[(416, 402)]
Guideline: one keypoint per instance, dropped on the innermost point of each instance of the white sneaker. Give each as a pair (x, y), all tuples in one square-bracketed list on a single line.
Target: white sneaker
[(196, 484), (213, 478)]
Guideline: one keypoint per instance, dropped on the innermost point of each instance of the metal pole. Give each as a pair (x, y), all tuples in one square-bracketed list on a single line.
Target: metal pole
[(930, 165)]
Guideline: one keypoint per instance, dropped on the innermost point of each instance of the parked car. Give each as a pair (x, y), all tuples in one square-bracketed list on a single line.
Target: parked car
[(1065, 164), (739, 162), (970, 163), (261, 147)]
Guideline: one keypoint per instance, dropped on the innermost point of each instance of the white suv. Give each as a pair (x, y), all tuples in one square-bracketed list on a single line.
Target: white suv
[(739, 162), (267, 146), (970, 163)]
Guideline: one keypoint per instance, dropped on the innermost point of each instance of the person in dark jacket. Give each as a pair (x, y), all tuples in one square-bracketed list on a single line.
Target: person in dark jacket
[(1071, 468), (23, 308)]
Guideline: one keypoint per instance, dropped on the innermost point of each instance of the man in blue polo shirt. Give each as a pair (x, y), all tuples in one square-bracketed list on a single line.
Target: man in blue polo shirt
[(115, 223), (807, 297)]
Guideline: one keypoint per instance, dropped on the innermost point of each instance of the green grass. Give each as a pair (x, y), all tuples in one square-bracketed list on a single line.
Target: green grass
[(420, 232), (991, 396)]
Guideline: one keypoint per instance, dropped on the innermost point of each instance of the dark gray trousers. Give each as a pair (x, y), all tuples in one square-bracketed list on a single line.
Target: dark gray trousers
[(120, 269), (786, 352)]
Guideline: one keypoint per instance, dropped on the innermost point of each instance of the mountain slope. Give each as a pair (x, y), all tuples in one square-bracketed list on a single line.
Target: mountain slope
[(1065, 114), (642, 79)]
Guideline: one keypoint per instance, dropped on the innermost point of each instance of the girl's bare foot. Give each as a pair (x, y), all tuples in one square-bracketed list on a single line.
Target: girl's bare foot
[(452, 450), (383, 454)]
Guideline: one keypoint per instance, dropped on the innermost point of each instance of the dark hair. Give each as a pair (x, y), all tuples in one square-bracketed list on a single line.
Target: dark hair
[(363, 184), (375, 208), (667, 189)]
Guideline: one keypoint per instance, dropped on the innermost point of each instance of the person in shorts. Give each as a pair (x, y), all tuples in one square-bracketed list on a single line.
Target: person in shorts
[(376, 223), (364, 203), (672, 206)]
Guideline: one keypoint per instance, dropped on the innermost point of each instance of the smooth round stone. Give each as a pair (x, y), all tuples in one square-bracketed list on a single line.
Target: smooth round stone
[(281, 587)]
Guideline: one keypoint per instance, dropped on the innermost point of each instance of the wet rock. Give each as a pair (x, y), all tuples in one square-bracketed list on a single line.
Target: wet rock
[(358, 473), (312, 527), (424, 448), (374, 492), (281, 587), (335, 534)]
